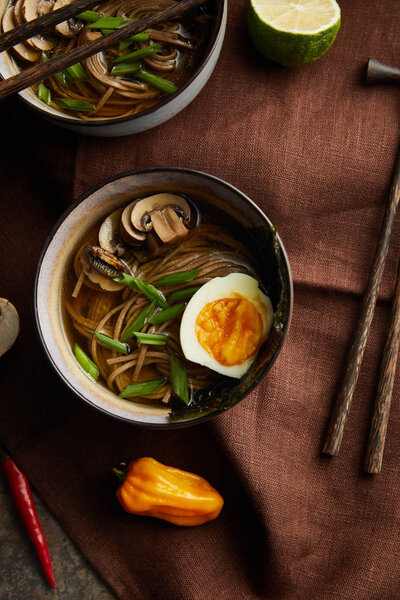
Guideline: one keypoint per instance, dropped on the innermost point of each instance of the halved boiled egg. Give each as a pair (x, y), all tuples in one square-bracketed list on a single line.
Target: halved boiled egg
[(225, 323)]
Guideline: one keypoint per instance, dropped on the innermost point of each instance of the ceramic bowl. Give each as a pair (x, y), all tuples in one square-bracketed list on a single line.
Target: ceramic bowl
[(89, 210), (161, 112)]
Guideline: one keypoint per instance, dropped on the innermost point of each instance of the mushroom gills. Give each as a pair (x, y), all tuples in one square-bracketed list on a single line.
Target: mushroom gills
[(102, 267)]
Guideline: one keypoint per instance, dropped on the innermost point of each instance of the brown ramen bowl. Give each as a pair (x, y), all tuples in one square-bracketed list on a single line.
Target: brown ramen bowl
[(249, 222)]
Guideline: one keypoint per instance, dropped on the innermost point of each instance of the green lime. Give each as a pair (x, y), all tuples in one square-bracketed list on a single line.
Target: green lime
[(293, 32)]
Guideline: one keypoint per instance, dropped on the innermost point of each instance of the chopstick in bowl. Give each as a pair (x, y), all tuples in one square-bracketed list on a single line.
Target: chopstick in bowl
[(38, 73), (41, 24)]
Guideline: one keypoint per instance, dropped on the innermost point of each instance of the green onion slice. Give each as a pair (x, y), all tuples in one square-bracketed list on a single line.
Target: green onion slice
[(147, 289), (179, 379), (167, 314), (153, 339), (143, 388), (71, 104), (182, 294), (44, 93), (110, 23), (139, 37), (158, 82), (177, 278), (89, 15), (139, 322), (125, 69), (86, 363), (138, 54), (76, 72), (112, 343)]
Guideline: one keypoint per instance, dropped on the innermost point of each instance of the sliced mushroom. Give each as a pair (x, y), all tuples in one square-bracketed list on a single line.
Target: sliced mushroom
[(129, 234), (9, 325), (20, 50), (101, 267), (109, 234), (68, 28), (29, 10), (167, 213)]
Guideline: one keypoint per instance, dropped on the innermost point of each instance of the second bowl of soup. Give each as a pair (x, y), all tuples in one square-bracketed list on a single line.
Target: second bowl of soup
[(130, 87), (163, 297)]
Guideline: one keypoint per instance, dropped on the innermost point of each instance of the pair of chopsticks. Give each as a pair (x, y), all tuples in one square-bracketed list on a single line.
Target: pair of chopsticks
[(376, 442), (38, 73)]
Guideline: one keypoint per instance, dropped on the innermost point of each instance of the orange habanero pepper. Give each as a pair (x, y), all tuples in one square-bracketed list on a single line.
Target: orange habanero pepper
[(156, 490)]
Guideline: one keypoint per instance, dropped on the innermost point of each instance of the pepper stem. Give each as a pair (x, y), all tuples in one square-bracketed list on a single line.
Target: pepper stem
[(119, 473)]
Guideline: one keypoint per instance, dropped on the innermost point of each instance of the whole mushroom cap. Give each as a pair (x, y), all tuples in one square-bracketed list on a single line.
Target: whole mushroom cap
[(9, 325)]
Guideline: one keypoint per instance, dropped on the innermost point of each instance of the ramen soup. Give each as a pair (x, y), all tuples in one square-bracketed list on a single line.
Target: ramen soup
[(163, 301), (125, 79)]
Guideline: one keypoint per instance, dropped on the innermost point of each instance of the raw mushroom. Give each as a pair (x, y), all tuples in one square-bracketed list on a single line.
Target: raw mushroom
[(29, 10), (9, 325), (168, 214), (20, 50), (68, 28)]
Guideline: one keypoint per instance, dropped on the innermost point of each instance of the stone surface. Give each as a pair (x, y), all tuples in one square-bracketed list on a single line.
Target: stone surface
[(21, 575)]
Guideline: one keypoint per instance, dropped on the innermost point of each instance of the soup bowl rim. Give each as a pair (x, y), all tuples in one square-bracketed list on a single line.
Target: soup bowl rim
[(135, 420)]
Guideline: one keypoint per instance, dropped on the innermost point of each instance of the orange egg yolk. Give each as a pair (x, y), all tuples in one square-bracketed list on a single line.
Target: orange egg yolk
[(230, 330)]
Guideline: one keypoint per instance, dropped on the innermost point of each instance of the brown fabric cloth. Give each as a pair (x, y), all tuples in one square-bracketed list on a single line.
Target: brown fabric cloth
[(315, 148)]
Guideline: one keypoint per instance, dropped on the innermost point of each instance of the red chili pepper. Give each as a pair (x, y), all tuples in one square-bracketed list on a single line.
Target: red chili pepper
[(22, 495)]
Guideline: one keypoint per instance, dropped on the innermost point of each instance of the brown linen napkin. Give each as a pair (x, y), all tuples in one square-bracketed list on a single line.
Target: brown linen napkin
[(315, 149)]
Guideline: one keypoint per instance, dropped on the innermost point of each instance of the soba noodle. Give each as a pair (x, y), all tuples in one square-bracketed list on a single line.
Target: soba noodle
[(208, 248)]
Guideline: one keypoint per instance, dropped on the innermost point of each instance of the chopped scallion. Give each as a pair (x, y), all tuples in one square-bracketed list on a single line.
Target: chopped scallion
[(110, 23), (112, 343), (158, 82), (166, 315), (143, 388), (153, 339), (44, 93), (62, 78), (86, 363), (71, 104), (177, 278), (76, 72), (179, 379), (151, 292), (139, 322), (182, 294), (89, 15), (125, 69), (138, 54), (139, 37)]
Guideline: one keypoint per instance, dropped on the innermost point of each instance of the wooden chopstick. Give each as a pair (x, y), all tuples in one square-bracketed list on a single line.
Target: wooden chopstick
[(344, 398), (38, 73), (380, 416), (41, 24)]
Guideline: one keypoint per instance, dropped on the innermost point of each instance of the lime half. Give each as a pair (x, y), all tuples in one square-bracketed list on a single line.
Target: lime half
[(293, 32)]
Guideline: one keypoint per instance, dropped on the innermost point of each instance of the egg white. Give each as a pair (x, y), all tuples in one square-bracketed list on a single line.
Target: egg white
[(216, 289)]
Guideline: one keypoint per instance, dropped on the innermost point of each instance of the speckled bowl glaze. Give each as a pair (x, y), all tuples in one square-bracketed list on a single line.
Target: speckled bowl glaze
[(90, 209), (161, 112)]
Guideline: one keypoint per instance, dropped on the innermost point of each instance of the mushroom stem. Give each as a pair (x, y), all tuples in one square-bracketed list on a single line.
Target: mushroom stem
[(168, 225)]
